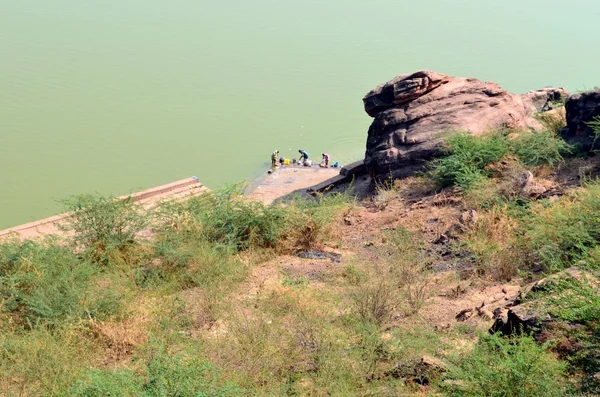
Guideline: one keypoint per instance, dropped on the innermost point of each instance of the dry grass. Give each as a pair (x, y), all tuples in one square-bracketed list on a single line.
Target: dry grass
[(120, 338), (282, 325), (269, 339), (375, 302), (493, 239)]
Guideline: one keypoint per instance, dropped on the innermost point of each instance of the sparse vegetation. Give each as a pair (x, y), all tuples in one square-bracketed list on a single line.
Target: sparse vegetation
[(102, 227), (221, 296), (539, 147), (595, 126), (496, 244), (553, 120), (567, 230), (376, 302), (467, 157), (507, 367)]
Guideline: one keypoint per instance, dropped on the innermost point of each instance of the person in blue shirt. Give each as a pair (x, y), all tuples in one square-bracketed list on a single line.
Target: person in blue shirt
[(303, 155)]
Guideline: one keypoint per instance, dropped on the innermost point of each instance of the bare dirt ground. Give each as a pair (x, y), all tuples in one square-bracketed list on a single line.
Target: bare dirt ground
[(450, 290)]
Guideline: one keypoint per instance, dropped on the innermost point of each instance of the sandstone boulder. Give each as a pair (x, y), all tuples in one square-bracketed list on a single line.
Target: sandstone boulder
[(519, 315), (420, 370), (581, 109), (519, 319), (412, 111), (529, 187)]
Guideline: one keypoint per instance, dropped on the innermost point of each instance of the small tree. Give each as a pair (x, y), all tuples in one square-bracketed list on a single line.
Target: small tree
[(102, 225)]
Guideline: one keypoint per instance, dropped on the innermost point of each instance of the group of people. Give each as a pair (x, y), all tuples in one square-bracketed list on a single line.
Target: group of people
[(303, 160)]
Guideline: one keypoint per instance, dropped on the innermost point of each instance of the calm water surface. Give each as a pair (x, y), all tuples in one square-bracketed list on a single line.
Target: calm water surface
[(117, 95)]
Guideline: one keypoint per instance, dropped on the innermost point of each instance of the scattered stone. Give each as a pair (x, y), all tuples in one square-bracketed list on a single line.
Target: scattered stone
[(500, 312), (421, 370), (316, 254), (443, 239), (464, 314), (550, 281)]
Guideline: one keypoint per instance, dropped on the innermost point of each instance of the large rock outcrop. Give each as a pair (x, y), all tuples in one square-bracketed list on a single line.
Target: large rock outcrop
[(581, 109), (412, 111)]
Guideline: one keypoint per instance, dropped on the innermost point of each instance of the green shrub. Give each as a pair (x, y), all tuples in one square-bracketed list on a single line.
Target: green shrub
[(42, 283), (103, 226), (506, 367), (573, 300), (103, 383), (227, 218), (43, 362), (566, 230), (182, 374), (540, 147), (465, 158), (595, 126), (188, 260), (309, 222), (45, 283)]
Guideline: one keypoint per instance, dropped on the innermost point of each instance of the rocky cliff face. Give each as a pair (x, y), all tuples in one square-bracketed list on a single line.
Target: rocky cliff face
[(412, 111), (581, 109)]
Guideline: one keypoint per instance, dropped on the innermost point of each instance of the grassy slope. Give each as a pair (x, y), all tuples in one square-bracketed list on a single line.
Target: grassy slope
[(216, 302)]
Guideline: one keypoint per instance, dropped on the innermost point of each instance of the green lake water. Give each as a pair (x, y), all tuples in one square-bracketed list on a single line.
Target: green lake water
[(114, 96)]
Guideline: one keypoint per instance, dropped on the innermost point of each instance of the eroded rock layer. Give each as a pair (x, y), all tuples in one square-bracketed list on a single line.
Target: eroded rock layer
[(412, 111)]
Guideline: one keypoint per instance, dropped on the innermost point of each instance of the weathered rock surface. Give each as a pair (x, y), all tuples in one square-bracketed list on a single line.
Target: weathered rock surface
[(517, 316), (519, 319), (419, 370), (581, 109), (529, 187), (412, 111)]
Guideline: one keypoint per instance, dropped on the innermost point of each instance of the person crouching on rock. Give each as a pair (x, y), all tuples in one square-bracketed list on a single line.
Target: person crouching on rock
[(303, 156), (274, 158), (325, 161)]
